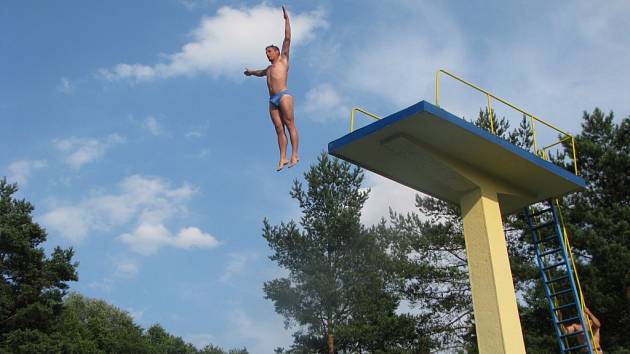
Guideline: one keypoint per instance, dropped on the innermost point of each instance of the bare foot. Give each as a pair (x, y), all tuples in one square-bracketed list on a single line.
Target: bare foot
[(294, 161), (281, 164)]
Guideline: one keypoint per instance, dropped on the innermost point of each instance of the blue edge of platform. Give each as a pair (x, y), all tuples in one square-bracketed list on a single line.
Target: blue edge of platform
[(424, 106)]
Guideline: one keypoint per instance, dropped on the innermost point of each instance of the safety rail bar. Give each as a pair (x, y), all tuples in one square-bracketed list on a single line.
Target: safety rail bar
[(565, 236), (357, 109), (532, 117)]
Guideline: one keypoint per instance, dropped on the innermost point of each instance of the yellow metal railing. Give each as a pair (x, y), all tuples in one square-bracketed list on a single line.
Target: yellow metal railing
[(357, 109), (533, 119)]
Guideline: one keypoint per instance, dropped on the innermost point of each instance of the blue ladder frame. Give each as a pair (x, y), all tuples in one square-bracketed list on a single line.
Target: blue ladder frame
[(557, 272)]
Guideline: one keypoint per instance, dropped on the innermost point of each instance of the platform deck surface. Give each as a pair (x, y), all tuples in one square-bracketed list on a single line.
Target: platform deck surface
[(427, 148)]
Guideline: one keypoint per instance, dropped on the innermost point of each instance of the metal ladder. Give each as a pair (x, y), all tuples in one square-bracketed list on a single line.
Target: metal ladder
[(558, 278)]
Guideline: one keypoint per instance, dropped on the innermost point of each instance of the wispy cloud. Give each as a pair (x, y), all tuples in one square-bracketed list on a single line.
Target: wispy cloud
[(385, 194), (264, 334), (237, 264), (193, 134), (152, 125), (224, 44), (80, 151), (148, 238), (195, 4), (126, 268), (65, 86), (146, 202), (20, 171), (545, 68), (324, 103)]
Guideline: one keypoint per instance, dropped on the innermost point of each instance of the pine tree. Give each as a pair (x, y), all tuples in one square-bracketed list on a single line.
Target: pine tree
[(32, 285), (599, 221), (338, 291)]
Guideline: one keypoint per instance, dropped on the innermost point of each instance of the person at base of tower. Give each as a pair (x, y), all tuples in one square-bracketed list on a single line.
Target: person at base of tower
[(280, 99), (595, 326)]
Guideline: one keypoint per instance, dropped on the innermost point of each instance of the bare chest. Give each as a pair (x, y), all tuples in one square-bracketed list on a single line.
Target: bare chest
[(277, 71)]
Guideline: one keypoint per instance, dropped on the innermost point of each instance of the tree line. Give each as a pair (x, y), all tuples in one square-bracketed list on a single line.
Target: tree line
[(37, 313), (400, 286)]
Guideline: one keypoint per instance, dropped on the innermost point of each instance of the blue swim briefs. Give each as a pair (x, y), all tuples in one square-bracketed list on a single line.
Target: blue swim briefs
[(275, 99)]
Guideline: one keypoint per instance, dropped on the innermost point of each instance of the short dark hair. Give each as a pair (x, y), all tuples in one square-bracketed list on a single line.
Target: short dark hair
[(274, 47)]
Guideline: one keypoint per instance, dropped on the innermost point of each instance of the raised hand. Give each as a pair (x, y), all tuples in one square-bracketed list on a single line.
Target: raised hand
[(247, 72), (285, 13)]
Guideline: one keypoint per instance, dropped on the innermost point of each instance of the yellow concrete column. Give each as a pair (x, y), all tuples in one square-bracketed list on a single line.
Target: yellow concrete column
[(494, 300)]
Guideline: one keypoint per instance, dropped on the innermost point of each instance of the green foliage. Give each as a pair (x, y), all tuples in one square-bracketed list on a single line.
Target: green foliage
[(599, 220), (36, 318), (599, 227), (339, 291), (32, 285), (110, 329), (161, 342), (94, 326)]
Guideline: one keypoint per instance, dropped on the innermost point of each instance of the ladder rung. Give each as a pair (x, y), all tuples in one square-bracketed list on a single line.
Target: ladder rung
[(550, 238), (576, 347), (557, 279), (561, 292), (565, 306), (554, 265), (572, 319), (540, 212), (551, 251), (572, 334), (540, 226)]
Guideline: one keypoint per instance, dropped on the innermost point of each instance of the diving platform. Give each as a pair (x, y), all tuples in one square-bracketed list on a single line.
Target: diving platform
[(437, 153)]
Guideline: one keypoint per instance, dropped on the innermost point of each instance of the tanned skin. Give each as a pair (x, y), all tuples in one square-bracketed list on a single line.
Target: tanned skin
[(282, 116), (595, 326)]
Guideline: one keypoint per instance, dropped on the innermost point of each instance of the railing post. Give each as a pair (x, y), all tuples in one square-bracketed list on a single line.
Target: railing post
[(575, 164), (352, 120), (490, 116), (437, 88), (533, 123)]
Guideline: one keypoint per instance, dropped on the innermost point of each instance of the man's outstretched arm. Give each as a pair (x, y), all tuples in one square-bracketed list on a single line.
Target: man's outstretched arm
[(287, 34), (258, 73), (594, 320)]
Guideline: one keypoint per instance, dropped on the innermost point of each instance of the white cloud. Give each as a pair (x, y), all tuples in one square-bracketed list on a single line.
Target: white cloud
[(80, 151), (126, 269), (65, 86), (152, 125), (409, 73), (192, 237), (137, 315), (20, 171), (105, 285), (148, 238), (195, 4), (324, 103), (385, 193), (73, 223), (264, 334), (555, 69), (193, 134), (562, 67), (237, 265), (147, 202), (224, 44)]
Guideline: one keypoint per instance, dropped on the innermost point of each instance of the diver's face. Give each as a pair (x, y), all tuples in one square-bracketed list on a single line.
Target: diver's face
[(271, 53)]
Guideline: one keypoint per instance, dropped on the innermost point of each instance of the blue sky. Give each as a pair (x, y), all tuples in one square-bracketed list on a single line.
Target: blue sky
[(131, 128)]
